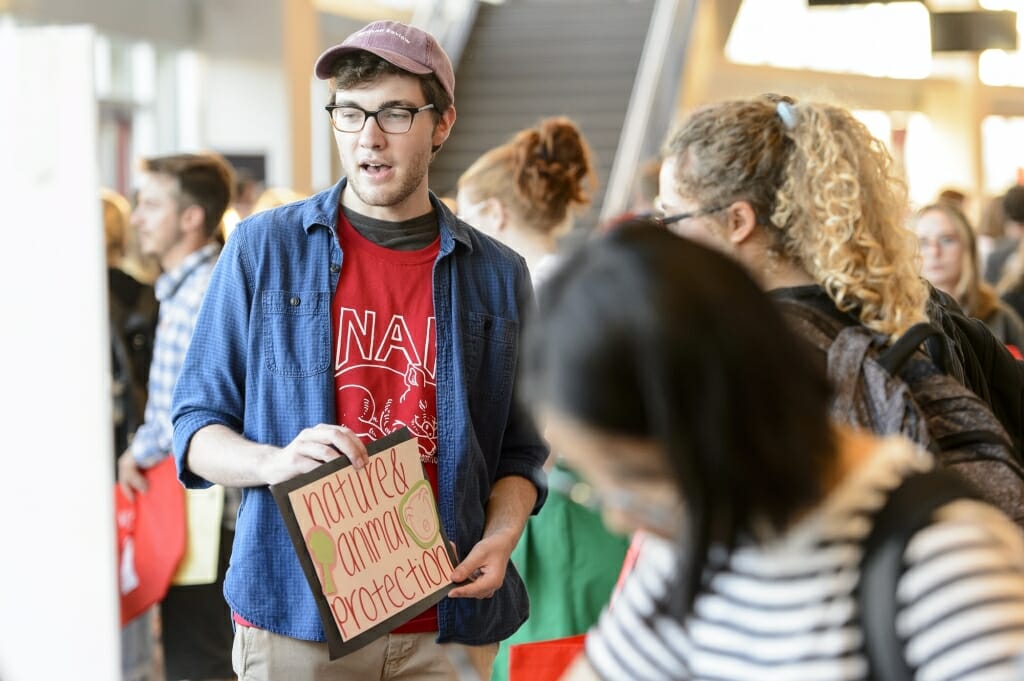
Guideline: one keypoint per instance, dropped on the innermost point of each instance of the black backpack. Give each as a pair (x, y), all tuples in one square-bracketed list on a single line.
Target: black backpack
[(897, 389), (969, 352), (133, 319), (907, 509)]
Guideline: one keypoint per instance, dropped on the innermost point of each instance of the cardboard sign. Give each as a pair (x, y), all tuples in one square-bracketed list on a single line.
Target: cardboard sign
[(370, 541)]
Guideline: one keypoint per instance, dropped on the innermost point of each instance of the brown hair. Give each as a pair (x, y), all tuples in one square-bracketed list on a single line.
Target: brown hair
[(993, 218), (538, 176), (356, 69), (826, 191), (1013, 211), (205, 180), (116, 212), (977, 298), (272, 197)]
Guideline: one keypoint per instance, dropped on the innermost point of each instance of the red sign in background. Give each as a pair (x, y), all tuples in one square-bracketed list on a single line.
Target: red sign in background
[(150, 539)]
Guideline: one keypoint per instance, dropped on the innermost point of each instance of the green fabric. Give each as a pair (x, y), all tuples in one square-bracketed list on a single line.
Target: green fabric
[(570, 563)]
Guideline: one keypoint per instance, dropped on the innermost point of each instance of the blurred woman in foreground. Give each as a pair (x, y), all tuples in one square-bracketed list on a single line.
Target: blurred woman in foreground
[(669, 381)]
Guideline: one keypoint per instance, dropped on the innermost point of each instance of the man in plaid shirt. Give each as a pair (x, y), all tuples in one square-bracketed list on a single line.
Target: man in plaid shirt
[(181, 201)]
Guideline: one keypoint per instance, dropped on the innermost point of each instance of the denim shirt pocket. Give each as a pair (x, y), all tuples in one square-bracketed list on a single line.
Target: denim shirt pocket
[(490, 344), (297, 332)]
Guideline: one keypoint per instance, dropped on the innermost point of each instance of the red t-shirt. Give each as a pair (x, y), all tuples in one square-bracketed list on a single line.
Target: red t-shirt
[(385, 351)]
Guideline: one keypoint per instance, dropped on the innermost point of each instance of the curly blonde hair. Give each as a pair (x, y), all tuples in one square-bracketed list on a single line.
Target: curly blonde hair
[(826, 191)]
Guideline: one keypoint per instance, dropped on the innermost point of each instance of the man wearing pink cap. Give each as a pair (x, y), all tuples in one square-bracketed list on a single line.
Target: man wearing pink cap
[(334, 321)]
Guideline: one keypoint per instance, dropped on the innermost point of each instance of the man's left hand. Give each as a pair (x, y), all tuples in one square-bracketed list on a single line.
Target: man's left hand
[(485, 566)]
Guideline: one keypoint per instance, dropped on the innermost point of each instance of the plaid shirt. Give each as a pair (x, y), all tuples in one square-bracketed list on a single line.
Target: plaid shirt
[(180, 293)]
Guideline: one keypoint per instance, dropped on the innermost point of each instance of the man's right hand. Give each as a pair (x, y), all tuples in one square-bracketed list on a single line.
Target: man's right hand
[(129, 475), (311, 448)]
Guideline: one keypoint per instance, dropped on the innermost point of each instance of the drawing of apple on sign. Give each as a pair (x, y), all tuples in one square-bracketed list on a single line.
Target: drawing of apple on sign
[(416, 511)]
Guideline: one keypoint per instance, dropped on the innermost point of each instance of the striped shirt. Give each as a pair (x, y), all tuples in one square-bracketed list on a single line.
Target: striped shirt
[(180, 293), (786, 609)]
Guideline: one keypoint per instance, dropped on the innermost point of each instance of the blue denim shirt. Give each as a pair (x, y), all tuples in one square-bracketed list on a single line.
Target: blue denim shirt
[(260, 363)]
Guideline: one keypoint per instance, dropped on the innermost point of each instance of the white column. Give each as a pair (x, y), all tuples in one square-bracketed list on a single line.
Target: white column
[(58, 590)]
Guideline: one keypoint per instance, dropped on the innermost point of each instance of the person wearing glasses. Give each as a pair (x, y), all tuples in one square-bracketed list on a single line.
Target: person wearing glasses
[(949, 260), (676, 387), (805, 197), (814, 206), (336, 320)]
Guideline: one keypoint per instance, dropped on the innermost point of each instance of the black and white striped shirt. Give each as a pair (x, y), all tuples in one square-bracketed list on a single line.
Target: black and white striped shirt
[(786, 609)]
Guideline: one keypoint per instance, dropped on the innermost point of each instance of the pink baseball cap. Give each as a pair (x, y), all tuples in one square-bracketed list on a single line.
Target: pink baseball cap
[(407, 47)]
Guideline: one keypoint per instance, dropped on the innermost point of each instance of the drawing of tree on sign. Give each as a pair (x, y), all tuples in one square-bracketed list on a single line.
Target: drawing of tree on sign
[(321, 548)]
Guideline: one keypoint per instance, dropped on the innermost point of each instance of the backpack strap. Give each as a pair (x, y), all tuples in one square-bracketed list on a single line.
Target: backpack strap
[(896, 355), (907, 509), (846, 358)]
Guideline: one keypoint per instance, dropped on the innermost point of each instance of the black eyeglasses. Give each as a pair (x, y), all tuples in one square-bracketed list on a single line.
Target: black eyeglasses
[(627, 501), (395, 120), (666, 220)]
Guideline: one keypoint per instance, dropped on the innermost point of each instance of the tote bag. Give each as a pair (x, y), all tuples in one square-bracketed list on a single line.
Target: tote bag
[(150, 539)]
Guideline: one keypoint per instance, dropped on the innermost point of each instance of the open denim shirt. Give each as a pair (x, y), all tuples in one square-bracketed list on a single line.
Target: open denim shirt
[(260, 363)]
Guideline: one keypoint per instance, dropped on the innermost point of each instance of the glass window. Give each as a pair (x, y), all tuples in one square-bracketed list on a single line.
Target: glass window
[(881, 40)]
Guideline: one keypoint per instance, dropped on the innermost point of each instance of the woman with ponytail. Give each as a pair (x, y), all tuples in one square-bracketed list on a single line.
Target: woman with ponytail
[(527, 192), (804, 196), (815, 208)]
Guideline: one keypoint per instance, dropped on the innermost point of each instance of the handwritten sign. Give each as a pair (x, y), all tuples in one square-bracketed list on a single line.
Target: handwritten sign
[(370, 541)]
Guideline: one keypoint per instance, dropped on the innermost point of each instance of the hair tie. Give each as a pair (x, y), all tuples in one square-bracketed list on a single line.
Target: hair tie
[(787, 113)]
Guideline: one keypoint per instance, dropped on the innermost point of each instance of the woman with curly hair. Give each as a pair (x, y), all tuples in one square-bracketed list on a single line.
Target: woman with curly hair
[(949, 260), (814, 207), (805, 198)]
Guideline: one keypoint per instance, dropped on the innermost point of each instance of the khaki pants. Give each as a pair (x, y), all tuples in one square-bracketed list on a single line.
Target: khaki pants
[(259, 655)]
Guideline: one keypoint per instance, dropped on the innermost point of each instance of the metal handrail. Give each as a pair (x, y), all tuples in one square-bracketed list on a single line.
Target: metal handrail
[(450, 21), (653, 101)]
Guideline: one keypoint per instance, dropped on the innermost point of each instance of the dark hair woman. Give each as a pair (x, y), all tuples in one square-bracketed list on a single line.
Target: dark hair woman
[(673, 384)]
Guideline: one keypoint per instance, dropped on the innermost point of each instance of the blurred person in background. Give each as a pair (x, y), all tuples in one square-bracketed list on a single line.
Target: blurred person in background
[(246, 192), (1011, 279), (677, 388), (991, 231), (949, 260), (954, 197), (645, 187), (1003, 265), (133, 317), (525, 193), (181, 201), (143, 268), (272, 197)]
